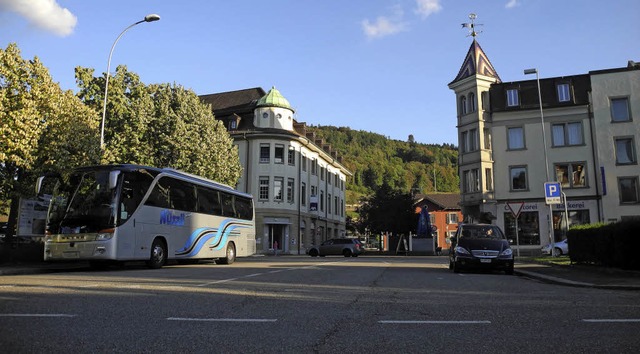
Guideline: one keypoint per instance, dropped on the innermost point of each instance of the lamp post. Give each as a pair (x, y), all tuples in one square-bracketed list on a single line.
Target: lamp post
[(544, 142), (148, 18)]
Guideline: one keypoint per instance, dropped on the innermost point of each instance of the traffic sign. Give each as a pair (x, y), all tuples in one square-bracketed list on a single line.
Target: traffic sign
[(516, 208), (552, 193)]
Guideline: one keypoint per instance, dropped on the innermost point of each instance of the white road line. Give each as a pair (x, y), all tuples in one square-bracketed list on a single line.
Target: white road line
[(433, 322), (218, 282), (611, 320), (270, 272), (35, 315), (222, 319)]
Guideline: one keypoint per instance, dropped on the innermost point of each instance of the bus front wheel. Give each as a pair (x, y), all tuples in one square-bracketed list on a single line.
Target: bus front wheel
[(158, 255), (231, 255)]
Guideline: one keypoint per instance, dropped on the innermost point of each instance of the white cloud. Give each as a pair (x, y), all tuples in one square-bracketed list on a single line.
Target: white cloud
[(44, 14), (511, 4), (383, 26), (428, 7)]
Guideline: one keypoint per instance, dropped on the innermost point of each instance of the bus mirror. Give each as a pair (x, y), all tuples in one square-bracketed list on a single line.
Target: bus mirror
[(113, 179)]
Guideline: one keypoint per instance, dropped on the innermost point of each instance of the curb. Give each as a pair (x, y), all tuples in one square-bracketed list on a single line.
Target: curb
[(561, 281)]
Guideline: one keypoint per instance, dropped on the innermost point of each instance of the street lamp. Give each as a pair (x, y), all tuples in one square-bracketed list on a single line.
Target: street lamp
[(148, 18), (544, 141)]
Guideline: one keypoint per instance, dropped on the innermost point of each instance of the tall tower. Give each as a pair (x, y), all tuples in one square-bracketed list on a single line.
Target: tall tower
[(475, 156)]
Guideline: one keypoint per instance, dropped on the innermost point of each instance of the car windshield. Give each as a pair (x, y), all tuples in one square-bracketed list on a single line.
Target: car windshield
[(481, 232)]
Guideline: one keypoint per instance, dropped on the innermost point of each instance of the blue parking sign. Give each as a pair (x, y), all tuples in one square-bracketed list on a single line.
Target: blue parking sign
[(553, 193)]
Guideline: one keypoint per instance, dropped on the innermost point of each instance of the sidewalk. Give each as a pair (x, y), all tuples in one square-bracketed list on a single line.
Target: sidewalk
[(576, 275)]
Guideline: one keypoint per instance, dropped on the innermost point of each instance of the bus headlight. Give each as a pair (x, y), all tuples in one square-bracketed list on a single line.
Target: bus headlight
[(103, 236)]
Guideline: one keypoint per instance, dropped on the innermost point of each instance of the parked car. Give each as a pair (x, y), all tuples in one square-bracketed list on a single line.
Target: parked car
[(558, 249), (348, 247), (480, 246)]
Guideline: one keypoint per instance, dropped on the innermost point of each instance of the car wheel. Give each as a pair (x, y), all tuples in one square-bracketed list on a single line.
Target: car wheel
[(231, 255), (509, 270), (158, 256), (456, 267), (346, 253), (313, 253), (557, 252)]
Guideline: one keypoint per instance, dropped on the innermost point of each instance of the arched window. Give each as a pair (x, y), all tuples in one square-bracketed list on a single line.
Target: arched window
[(472, 102), (463, 105), (483, 98)]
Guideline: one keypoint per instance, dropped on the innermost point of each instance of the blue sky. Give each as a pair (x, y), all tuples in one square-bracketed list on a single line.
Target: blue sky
[(376, 65)]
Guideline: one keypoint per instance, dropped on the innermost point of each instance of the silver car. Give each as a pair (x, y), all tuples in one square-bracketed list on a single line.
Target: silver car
[(348, 247)]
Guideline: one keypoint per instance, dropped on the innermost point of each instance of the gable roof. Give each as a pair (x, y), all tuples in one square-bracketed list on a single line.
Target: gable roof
[(234, 100), (476, 62), (446, 201)]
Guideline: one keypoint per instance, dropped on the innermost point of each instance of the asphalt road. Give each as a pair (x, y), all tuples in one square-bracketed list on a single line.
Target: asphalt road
[(310, 305)]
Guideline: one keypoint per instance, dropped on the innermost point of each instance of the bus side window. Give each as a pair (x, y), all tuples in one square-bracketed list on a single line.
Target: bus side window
[(182, 195), (208, 201), (159, 196), (228, 208)]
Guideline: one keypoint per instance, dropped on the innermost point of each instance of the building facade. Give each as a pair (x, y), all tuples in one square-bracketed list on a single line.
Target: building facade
[(297, 181), (585, 137)]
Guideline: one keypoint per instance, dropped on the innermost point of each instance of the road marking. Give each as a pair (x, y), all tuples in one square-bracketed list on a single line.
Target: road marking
[(612, 320), (35, 315), (258, 274), (221, 319), (434, 322)]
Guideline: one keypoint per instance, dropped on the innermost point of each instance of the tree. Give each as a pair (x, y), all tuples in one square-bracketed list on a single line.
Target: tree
[(41, 128), (388, 210), (160, 125)]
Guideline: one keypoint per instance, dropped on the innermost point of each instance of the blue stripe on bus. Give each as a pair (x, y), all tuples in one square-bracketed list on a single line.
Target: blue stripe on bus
[(211, 237)]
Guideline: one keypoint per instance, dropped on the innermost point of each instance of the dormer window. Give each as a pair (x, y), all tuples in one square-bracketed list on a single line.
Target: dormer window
[(564, 95), (233, 124), (512, 98)]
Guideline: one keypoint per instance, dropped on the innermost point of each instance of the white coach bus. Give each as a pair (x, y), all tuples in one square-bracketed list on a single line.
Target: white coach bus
[(117, 213)]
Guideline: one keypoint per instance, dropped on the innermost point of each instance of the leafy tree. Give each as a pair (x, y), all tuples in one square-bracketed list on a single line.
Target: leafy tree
[(388, 210), (41, 128), (160, 125)]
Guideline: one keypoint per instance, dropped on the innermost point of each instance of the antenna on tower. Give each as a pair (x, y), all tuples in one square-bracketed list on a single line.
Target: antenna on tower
[(472, 26)]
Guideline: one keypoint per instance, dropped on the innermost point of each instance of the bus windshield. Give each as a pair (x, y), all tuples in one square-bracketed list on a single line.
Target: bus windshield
[(82, 202)]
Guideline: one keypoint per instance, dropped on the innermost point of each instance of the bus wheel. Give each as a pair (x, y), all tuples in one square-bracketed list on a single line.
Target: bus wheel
[(158, 255), (231, 255)]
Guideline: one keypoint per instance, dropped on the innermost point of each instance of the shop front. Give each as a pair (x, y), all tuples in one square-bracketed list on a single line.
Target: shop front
[(533, 220)]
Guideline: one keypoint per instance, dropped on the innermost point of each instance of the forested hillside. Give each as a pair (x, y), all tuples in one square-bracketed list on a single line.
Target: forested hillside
[(403, 165)]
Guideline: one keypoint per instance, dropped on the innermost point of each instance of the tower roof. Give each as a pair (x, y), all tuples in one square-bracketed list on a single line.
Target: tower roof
[(476, 62), (273, 99)]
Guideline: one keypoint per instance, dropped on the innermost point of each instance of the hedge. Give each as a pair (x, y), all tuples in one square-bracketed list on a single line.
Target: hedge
[(613, 245)]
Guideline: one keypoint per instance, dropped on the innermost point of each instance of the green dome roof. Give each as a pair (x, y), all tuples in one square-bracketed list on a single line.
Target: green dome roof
[(273, 99)]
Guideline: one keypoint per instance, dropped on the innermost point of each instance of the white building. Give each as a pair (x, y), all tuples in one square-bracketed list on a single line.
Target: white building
[(591, 141), (297, 181)]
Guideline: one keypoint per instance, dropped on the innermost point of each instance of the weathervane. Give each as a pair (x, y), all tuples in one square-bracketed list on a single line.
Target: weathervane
[(472, 26)]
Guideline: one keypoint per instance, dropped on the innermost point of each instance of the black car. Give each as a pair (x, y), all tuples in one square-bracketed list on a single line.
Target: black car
[(480, 246)]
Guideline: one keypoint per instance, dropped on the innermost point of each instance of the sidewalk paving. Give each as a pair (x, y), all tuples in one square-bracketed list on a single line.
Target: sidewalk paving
[(577, 275)]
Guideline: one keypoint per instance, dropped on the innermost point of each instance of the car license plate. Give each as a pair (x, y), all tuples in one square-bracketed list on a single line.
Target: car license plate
[(485, 260)]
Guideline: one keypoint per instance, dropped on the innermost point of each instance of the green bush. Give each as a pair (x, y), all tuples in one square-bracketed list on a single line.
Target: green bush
[(614, 245)]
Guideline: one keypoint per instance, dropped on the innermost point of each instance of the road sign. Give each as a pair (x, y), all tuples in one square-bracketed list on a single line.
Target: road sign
[(516, 208), (552, 193)]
